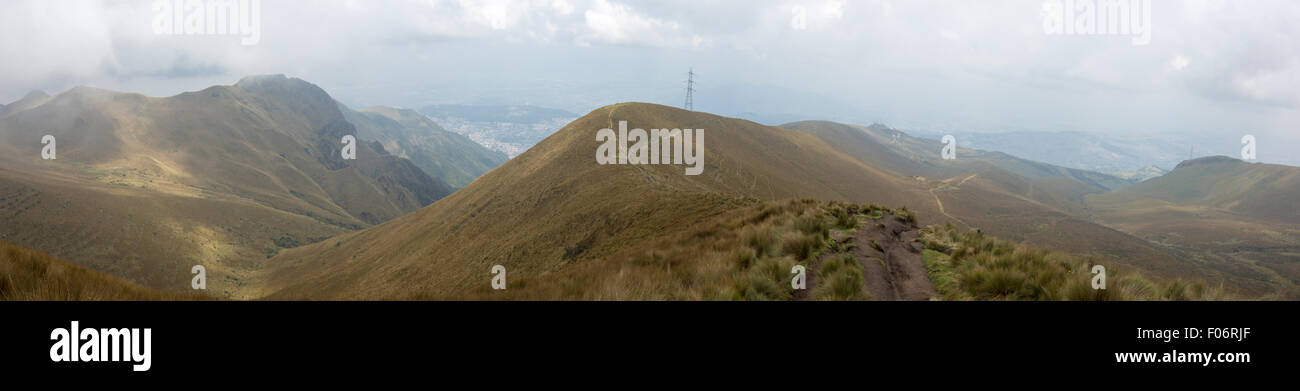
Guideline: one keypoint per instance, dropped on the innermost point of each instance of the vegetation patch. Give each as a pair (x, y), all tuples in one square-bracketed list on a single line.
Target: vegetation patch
[(970, 266)]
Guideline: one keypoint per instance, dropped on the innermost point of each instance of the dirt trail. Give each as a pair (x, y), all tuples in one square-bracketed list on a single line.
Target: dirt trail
[(940, 202), (893, 268)]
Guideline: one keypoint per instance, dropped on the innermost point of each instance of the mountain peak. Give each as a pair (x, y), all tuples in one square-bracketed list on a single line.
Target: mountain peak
[(35, 94), (253, 80), (1208, 160), (278, 83)]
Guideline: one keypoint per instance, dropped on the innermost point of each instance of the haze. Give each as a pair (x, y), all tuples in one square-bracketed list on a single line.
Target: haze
[(1213, 70)]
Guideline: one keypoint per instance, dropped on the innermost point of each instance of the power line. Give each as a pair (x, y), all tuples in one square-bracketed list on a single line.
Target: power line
[(690, 90)]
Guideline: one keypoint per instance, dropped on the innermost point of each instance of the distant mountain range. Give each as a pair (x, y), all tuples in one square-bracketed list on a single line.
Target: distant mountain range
[(1138, 158)]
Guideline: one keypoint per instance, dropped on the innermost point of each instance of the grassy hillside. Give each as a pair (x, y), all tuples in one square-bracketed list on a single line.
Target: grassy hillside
[(553, 207), (1262, 191), (1015, 199), (744, 254), (31, 275), (144, 188), (1240, 218), (850, 252), (451, 157), (1057, 187)]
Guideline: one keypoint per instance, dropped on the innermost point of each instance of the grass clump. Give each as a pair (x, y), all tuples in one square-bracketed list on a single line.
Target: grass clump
[(840, 278), (800, 245), (845, 220)]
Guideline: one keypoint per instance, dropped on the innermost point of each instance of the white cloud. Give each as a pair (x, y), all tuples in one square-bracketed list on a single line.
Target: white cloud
[(44, 39), (1205, 53)]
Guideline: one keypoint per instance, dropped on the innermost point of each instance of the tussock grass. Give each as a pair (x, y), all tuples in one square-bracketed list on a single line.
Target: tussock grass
[(984, 268), (840, 279), (27, 275), (744, 254), (845, 220), (800, 245)]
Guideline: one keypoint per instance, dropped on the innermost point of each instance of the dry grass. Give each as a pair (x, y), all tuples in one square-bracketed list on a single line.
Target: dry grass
[(746, 254), (27, 275), (840, 278), (971, 266)]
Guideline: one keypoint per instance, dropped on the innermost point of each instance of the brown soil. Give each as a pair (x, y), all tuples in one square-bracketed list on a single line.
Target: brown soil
[(895, 271)]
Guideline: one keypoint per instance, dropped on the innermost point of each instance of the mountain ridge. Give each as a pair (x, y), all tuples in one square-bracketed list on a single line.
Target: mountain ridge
[(223, 176)]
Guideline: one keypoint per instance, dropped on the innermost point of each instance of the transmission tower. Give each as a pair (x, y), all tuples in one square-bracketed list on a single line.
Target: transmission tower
[(690, 90)]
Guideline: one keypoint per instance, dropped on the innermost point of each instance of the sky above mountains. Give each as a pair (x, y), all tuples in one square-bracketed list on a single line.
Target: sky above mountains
[(1212, 69)]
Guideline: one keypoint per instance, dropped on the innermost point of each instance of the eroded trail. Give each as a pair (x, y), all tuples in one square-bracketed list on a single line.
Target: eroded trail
[(891, 261), (889, 256)]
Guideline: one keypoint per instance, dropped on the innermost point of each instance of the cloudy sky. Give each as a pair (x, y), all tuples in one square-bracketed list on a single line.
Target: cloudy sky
[(1215, 69)]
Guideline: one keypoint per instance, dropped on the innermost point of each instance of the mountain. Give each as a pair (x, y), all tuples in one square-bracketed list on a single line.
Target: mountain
[(1257, 190), (510, 129), (144, 187), (31, 99), (1231, 215), (554, 208), (451, 157)]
